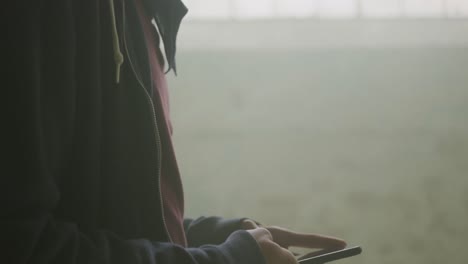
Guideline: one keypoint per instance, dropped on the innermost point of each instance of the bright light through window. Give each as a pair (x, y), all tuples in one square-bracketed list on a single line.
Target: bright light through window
[(258, 9)]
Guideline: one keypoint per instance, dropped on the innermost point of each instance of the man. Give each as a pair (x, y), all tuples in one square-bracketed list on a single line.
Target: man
[(91, 175)]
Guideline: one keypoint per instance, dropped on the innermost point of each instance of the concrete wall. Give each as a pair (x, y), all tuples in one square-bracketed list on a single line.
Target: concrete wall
[(353, 128)]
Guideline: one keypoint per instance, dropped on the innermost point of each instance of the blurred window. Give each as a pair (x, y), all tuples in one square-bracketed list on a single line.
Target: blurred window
[(266, 9)]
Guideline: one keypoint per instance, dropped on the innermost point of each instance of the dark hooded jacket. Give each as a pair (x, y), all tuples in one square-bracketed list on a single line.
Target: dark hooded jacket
[(80, 177)]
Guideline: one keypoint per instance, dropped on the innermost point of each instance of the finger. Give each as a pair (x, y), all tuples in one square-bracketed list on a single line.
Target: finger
[(316, 241), (280, 255), (249, 224), (275, 254), (287, 238), (288, 257), (315, 253)]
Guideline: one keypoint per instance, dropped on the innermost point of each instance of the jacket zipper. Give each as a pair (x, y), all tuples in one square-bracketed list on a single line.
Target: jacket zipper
[(155, 125)]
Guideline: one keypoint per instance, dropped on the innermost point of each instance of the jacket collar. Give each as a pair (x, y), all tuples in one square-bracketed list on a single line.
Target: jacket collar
[(168, 15)]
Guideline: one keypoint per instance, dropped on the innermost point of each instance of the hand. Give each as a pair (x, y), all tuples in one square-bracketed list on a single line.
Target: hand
[(286, 238), (271, 251)]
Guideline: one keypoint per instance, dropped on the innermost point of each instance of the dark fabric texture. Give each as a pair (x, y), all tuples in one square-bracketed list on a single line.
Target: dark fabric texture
[(170, 182), (78, 182), (168, 14), (210, 230)]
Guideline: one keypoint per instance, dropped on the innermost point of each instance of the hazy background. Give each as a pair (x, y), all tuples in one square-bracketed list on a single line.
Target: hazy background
[(341, 117)]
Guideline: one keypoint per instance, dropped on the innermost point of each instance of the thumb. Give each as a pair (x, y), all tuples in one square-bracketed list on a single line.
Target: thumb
[(249, 224)]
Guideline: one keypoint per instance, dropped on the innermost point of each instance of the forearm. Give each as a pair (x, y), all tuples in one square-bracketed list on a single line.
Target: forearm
[(42, 239)]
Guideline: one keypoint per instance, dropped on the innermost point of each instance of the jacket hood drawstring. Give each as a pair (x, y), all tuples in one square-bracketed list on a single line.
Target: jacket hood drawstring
[(118, 56)]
